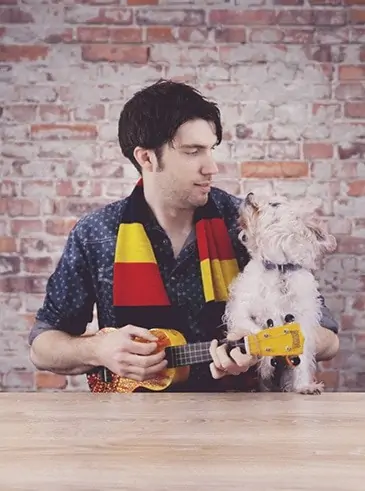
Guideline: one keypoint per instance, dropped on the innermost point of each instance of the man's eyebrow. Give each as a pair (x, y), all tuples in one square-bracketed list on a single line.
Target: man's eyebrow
[(197, 145)]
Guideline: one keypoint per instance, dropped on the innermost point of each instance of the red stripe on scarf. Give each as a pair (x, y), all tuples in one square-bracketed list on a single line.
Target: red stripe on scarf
[(213, 240), (137, 284)]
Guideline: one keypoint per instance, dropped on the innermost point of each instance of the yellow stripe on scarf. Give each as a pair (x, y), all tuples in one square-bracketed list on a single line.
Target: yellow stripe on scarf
[(133, 245), (217, 276)]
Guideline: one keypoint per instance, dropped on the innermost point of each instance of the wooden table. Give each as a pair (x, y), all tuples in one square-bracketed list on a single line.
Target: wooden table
[(180, 442)]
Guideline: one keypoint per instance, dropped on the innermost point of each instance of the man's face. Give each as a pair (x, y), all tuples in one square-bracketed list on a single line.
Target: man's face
[(184, 173)]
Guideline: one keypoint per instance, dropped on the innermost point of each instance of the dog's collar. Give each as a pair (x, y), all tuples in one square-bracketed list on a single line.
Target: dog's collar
[(283, 268)]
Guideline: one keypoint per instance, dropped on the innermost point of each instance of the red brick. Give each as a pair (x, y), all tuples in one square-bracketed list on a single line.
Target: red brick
[(23, 227), (283, 150), (362, 54), (67, 36), (15, 15), (8, 188), (192, 34), (37, 187), (26, 284), (38, 264), (298, 36), (78, 188), (19, 52), (9, 264), (358, 302), (332, 109), (48, 380), (107, 15), (294, 17), (330, 378), (356, 188), (318, 150), (90, 113), (160, 34), (241, 17), (23, 207), (274, 169), (119, 54), (126, 35), (170, 17), (60, 226), (266, 35), (63, 131), (354, 2), (355, 110), (350, 91), (18, 379), (326, 2), (351, 72), (21, 113), (357, 16), (353, 150), (7, 244), (351, 245), (289, 2), (92, 34), (330, 17), (142, 2), (54, 113), (230, 35)]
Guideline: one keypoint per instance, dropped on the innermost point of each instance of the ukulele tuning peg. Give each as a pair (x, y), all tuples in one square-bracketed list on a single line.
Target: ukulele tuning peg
[(270, 323), (289, 318)]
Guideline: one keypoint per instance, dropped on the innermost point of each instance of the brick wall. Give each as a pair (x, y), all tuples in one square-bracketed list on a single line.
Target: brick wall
[(290, 79)]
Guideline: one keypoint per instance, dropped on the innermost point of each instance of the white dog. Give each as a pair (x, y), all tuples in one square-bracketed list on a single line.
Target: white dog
[(285, 242)]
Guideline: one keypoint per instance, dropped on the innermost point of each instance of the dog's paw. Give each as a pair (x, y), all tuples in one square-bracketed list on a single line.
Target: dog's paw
[(315, 388)]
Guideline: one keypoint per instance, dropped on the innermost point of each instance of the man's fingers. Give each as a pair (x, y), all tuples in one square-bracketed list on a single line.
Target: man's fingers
[(216, 374), (140, 332), (143, 361), (138, 347), (242, 360), (213, 350), (140, 373)]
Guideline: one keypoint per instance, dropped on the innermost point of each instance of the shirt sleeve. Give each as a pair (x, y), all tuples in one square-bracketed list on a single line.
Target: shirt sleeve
[(327, 319), (70, 297)]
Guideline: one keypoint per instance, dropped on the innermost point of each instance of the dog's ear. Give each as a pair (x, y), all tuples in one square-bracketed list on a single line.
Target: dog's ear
[(251, 200), (326, 241), (242, 222)]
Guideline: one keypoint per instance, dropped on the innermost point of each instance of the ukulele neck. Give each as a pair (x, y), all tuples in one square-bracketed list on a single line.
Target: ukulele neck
[(191, 354)]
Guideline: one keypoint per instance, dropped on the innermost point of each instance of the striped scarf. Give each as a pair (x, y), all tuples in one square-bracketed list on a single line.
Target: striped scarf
[(139, 294)]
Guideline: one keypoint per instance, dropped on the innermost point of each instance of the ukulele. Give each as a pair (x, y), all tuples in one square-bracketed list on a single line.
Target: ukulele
[(285, 342)]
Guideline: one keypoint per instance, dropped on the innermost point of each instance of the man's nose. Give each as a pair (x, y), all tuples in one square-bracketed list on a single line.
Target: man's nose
[(210, 166)]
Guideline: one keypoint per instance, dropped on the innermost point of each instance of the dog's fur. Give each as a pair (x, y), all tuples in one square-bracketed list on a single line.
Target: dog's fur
[(279, 231)]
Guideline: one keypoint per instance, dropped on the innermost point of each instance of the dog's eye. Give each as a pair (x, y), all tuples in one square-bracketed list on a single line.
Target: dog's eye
[(274, 204)]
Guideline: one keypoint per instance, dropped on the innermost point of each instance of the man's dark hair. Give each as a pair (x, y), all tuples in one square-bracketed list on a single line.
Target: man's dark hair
[(153, 115)]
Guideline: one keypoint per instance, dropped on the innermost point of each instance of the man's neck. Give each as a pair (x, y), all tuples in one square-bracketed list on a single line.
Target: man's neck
[(171, 218)]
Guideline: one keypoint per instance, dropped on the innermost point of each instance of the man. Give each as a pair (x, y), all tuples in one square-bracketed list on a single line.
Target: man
[(148, 260)]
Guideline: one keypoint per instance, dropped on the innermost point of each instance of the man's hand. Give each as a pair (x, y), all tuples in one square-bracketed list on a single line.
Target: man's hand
[(118, 351), (233, 364)]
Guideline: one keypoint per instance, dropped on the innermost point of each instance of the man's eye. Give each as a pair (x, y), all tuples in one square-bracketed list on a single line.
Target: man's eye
[(194, 152)]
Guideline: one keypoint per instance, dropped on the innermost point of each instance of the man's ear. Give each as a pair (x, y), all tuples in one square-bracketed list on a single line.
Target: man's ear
[(145, 158)]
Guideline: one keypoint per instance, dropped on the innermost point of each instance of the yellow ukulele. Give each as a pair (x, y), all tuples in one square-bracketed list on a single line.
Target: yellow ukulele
[(282, 341)]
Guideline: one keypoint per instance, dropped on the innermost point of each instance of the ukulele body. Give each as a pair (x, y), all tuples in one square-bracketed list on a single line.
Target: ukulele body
[(167, 377)]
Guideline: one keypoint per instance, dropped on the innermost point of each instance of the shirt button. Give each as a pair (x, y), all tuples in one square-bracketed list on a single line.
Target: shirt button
[(173, 278)]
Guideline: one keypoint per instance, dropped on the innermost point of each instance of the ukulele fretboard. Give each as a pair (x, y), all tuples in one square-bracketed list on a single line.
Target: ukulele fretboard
[(190, 354)]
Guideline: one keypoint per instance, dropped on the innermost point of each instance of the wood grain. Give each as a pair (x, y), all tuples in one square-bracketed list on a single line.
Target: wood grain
[(180, 442)]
